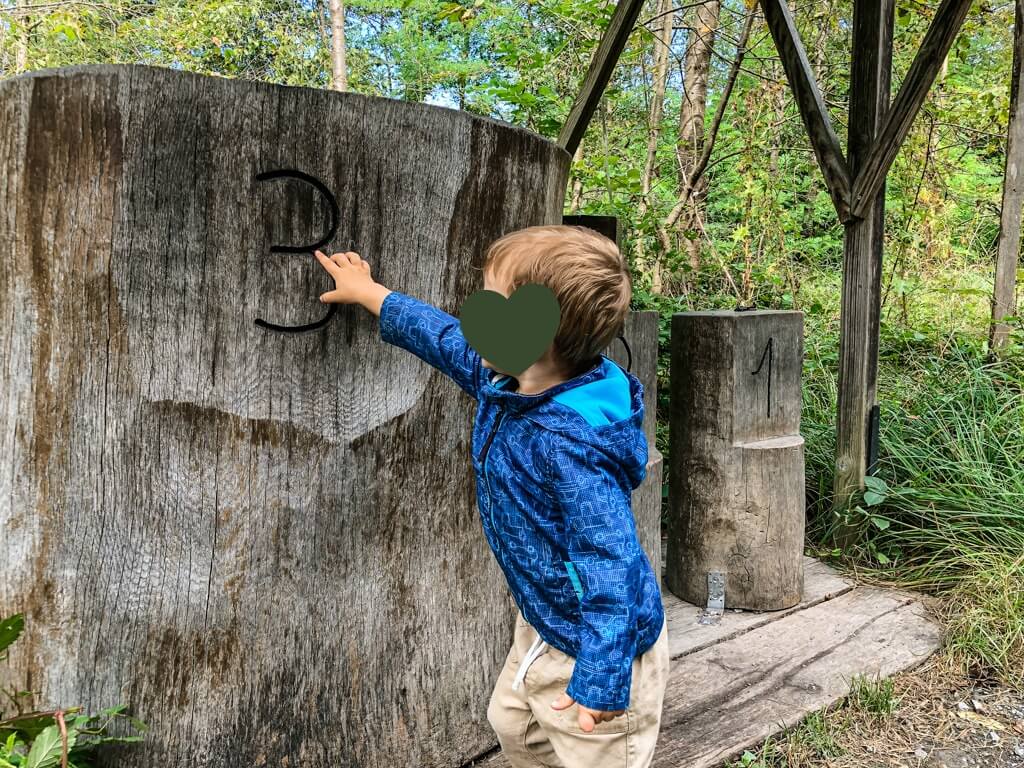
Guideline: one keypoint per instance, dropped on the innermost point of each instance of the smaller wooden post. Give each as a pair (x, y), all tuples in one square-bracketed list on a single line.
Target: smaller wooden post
[(736, 474), (641, 334)]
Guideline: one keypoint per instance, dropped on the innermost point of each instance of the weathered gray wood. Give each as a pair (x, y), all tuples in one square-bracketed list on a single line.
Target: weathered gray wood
[(870, 174), (1004, 302), (601, 66), (735, 693), (641, 332), (736, 465), (810, 103), (686, 635), (647, 508), (265, 544), (862, 253)]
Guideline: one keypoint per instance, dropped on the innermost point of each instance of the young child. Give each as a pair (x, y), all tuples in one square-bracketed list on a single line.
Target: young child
[(557, 451)]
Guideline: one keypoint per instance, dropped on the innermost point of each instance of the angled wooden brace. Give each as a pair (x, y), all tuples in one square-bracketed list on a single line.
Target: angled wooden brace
[(812, 106), (937, 42), (601, 66)]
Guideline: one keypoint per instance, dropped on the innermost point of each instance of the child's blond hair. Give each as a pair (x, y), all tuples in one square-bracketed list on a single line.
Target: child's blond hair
[(588, 276)]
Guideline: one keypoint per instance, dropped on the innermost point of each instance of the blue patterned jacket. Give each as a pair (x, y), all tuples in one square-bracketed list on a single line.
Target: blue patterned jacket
[(554, 476)]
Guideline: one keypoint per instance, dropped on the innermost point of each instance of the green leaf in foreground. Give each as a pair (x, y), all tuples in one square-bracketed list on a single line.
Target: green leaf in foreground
[(46, 749), (10, 628)]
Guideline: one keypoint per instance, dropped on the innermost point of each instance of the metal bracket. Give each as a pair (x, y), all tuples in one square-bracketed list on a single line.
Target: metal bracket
[(716, 599)]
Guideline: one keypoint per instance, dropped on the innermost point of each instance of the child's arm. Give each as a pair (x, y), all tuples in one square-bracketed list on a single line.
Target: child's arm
[(430, 333), (604, 548)]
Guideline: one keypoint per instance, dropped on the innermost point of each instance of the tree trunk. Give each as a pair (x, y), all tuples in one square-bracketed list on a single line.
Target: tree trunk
[(576, 199), (1004, 302), (662, 47), (21, 51), (266, 544), (691, 121), (339, 71)]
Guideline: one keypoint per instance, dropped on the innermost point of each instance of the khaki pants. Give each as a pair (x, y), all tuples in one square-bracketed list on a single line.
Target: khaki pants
[(533, 734)]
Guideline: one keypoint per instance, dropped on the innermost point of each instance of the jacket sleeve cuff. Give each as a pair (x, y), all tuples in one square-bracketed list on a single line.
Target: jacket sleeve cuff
[(600, 688), (391, 311)]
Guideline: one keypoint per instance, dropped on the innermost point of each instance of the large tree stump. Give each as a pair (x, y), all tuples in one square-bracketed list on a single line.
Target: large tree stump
[(265, 543), (736, 472)]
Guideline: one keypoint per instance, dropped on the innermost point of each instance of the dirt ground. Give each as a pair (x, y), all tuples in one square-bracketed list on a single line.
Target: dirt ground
[(940, 718)]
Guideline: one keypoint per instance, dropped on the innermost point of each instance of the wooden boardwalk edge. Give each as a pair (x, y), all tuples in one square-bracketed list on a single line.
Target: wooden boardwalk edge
[(821, 583), (733, 694)]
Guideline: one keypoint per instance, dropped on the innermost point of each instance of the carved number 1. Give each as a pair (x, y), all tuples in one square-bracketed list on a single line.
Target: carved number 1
[(768, 352)]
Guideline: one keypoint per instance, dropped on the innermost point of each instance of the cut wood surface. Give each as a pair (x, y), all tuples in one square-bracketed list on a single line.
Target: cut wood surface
[(601, 66), (685, 635), (870, 175), (641, 332), (809, 100), (860, 303), (733, 694), (265, 544)]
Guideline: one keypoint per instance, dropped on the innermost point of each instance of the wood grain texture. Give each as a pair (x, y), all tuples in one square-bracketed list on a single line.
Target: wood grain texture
[(686, 635), (860, 302), (809, 100), (265, 544), (641, 332), (734, 693), (737, 468)]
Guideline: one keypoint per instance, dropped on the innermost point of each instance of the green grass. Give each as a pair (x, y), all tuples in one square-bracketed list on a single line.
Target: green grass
[(944, 512), (817, 738), (872, 696)]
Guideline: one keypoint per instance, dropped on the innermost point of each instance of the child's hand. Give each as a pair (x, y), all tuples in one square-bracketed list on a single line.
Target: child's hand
[(587, 718), (352, 281)]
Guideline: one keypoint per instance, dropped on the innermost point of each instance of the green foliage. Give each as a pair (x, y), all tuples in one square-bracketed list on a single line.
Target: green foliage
[(34, 740), (872, 696)]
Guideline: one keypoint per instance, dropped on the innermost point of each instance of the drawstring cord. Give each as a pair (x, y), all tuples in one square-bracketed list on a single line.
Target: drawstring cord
[(535, 650)]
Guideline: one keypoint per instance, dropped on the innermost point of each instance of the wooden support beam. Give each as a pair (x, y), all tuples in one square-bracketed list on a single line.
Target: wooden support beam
[(1003, 295), (812, 105), (871, 68), (604, 61), (937, 41)]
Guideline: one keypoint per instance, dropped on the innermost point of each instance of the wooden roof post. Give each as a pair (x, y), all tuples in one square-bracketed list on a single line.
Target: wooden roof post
[(871, 67), (876, 132)]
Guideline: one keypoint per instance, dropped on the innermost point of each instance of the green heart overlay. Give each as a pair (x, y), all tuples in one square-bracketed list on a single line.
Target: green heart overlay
[(511, 333)]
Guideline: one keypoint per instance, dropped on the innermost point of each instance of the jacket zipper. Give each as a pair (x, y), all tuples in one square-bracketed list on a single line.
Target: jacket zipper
[(487, 480)]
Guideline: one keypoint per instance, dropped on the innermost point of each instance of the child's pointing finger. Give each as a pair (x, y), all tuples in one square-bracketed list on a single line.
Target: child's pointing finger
[(324, 261)]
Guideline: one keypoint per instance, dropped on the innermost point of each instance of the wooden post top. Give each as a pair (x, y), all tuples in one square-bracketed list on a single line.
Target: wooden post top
[(734, 313)]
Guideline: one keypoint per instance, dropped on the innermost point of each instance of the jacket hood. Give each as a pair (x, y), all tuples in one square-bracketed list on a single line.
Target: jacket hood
[(603, 407)]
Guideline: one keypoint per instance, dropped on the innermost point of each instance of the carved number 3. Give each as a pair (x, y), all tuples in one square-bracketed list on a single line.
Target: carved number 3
[(335, 215), (768, 352)]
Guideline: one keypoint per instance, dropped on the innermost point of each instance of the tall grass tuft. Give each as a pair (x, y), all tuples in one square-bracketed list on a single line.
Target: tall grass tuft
[(944, 511)]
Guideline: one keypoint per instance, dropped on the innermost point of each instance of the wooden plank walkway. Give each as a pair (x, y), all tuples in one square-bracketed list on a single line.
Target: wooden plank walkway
[(737, 682)]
